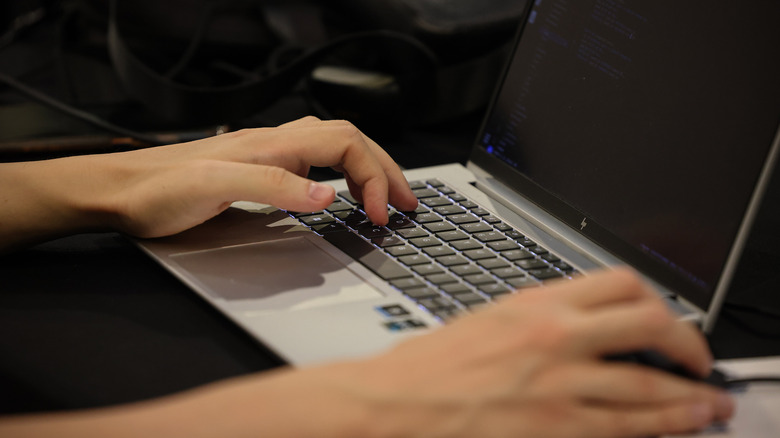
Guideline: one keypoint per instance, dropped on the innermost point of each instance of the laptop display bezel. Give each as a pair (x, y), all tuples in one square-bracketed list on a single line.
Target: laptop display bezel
[(708, 299)]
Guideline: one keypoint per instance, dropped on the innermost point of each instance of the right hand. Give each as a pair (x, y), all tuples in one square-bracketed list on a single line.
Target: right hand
[(532, 366)]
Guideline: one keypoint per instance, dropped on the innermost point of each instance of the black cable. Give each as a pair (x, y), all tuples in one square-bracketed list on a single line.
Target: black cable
[(195, 42), (19, 24), (77, 113)]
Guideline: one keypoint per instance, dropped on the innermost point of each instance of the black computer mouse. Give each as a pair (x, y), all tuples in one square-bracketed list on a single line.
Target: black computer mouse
[(657, 360)]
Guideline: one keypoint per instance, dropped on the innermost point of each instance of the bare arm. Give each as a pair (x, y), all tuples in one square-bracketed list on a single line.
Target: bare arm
[(165, 190), (528, 367)]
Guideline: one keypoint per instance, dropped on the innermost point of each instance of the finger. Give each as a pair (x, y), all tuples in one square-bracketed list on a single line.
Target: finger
[(672, 418), (644, 325), (342, 146), (630, 384), (269, 185), (603, 288), (400, 194)]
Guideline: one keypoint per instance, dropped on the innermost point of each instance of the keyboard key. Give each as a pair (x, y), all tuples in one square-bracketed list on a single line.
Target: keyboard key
[(447, 210), (480, 279), (508, 272), (407, 283), (464, 245), (464, 270), (546, 273), (468, 204), (460, 219), (502, 227), (476, 227), (414, 185), (514, 234), (414, 259), (319, 219), (421, 293), (563, 266), (504, 245), (436, 202), (517, 254), (348, 197), (493, 263), (339, 205), (532, 264), (425, 193), (480, 211), (491, 219), (437, 227), (402, 250), (479, 254), (427, 269), (456, 288), (410, 233), (523, 282), (447, 314), (435, 183), (423, 242), (538, 250), (451, 236), (549, 257), (494, 290), (398, 221), (489, 236), (445, 190), (387, 241), (526, 242), (427, 218), (441, 279), (438, 251), (452, 260), (371, 232), (355, 218), (470, 299), (434, 304), (329, 228), (457, 197)]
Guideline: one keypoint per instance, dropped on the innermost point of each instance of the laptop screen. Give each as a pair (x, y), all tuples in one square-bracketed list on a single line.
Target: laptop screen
[(645, 124)]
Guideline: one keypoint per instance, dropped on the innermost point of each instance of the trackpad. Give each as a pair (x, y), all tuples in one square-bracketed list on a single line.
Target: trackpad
[(291, 273)]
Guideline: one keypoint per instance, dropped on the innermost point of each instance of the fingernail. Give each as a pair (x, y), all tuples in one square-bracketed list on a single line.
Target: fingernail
[(320, 192)]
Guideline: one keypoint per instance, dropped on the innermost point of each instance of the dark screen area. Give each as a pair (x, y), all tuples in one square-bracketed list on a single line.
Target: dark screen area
[(653, 119)]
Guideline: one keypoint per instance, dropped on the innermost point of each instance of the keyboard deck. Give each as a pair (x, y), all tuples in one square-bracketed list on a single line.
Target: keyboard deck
[(449, 255)]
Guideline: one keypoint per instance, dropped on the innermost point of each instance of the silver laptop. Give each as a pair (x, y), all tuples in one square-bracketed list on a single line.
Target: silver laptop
[(623, 133)]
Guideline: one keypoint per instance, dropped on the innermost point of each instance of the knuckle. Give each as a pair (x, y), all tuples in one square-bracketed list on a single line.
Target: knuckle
[(347, 129), (554, 334), (275, 176), (656, 316)]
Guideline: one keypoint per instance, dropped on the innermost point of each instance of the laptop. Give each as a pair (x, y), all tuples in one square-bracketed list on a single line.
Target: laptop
[(637, 134)]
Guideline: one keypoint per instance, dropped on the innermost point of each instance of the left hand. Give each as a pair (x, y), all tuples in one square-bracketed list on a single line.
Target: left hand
[(161, 191)]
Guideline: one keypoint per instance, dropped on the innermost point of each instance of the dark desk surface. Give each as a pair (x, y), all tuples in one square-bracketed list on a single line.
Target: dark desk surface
[(89, 320)]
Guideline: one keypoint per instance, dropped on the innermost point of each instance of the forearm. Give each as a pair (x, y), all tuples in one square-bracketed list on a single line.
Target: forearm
[(276, 404), (47, 199)]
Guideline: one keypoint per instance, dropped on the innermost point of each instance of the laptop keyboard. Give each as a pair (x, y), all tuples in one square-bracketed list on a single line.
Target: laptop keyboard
[(449, 255)]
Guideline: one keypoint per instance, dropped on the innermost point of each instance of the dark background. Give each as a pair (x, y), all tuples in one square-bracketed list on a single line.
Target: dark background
[(89, 320)]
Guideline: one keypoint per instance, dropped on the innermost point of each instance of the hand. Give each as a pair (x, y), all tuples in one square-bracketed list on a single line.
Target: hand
[(165, 190), (529, 367), (532, 366), (176, 187)]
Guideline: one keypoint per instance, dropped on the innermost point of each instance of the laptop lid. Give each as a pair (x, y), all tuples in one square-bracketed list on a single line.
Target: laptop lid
[(649, 128)]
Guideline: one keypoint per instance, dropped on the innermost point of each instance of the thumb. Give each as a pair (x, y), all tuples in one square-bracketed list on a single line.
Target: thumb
[(283, 189)]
